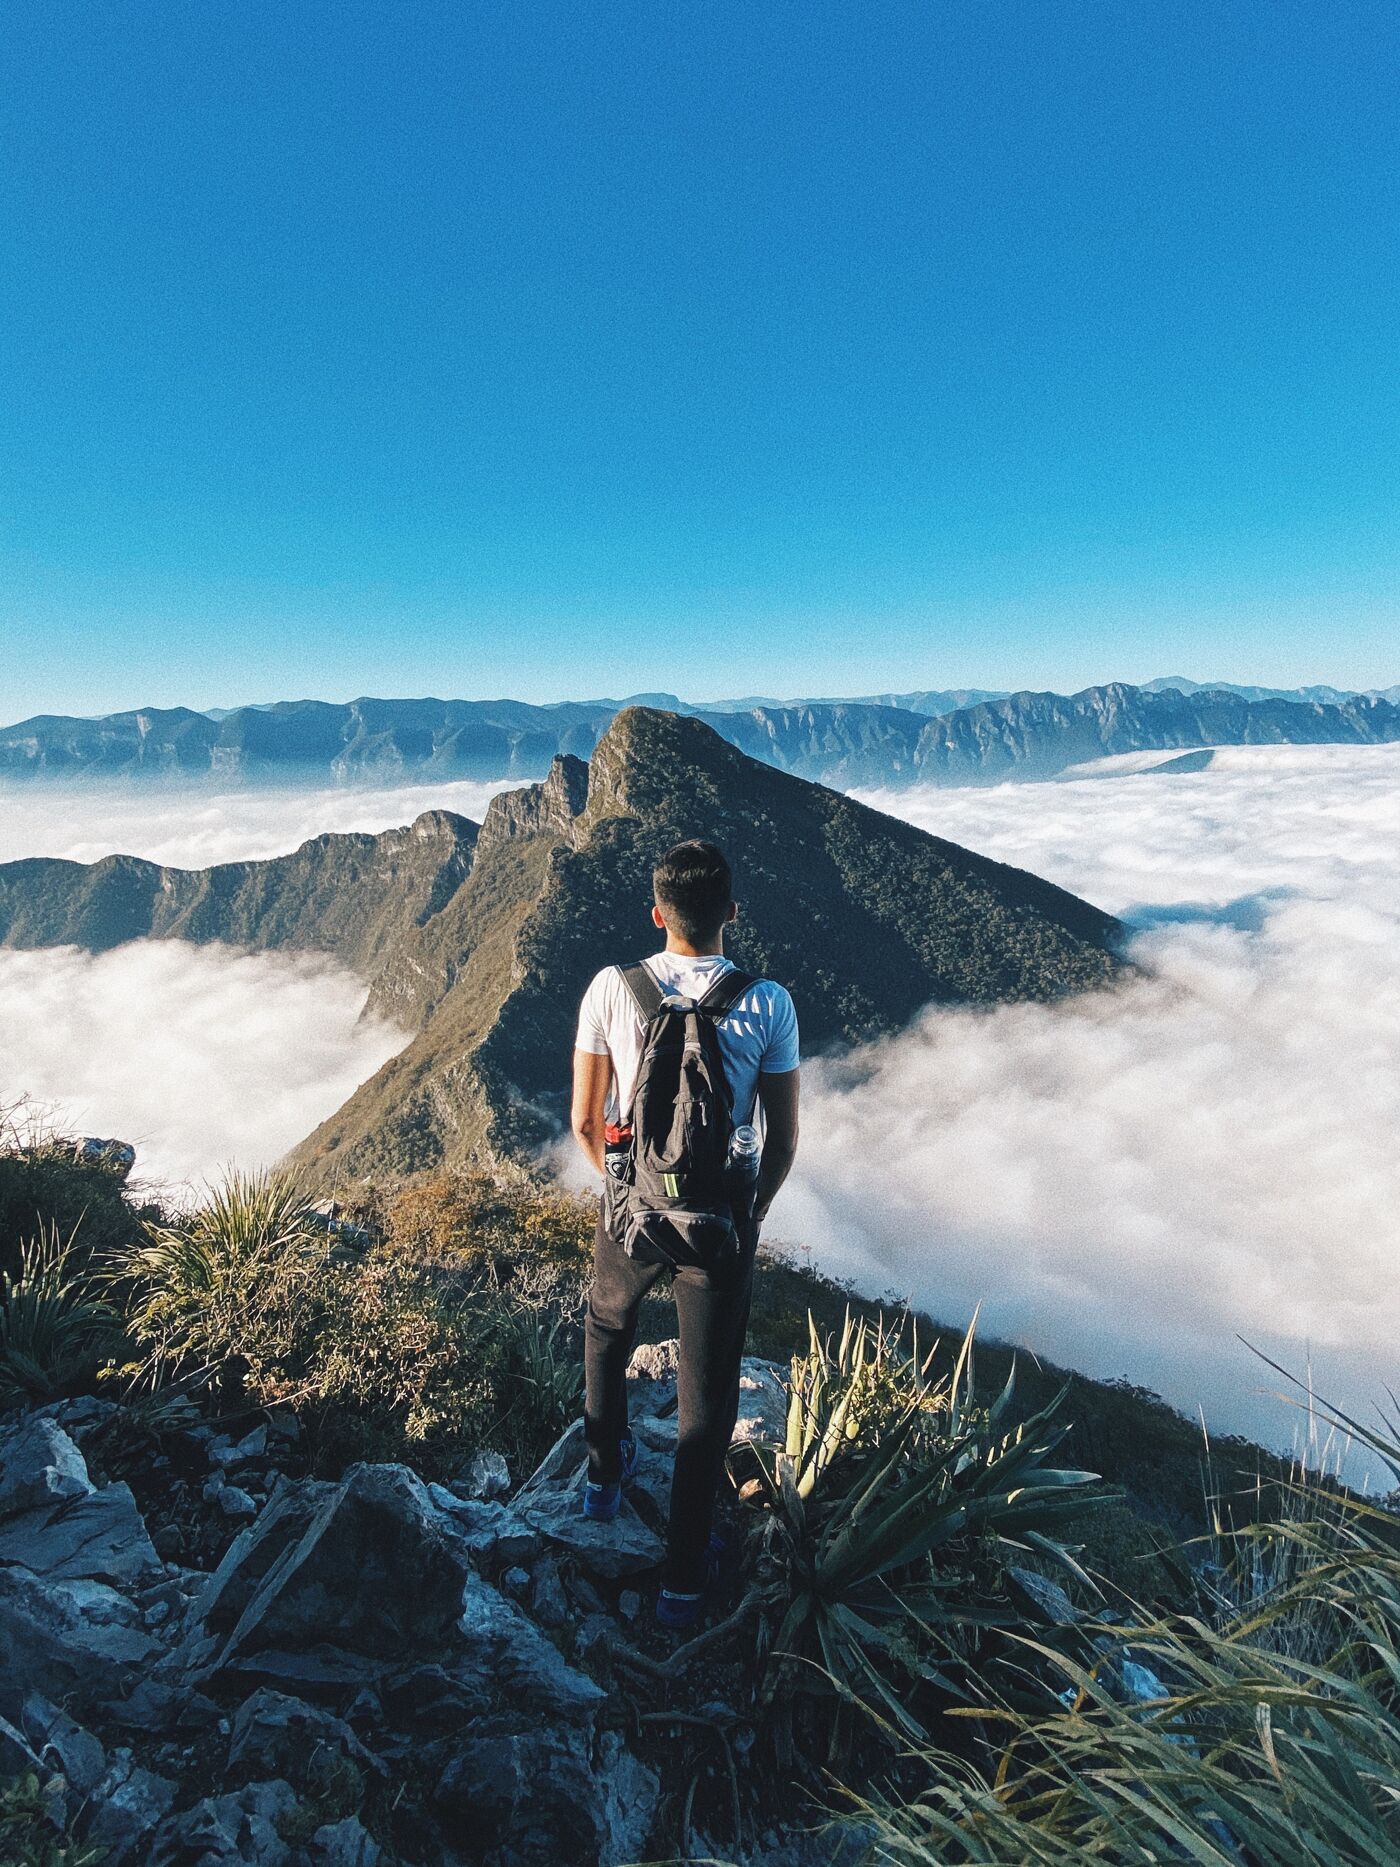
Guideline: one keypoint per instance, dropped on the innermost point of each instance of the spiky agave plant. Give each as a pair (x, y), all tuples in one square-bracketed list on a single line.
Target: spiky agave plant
[(227, 1283), (57, 1330), (892, 1501), (1255, 1750)]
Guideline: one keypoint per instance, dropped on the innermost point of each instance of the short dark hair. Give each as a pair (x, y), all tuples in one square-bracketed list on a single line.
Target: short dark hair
[(694, 887)]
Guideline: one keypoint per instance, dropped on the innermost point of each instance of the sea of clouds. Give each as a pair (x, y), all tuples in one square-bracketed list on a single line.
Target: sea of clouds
[(200, 1056), (1126, 1182), (1131, 1180)]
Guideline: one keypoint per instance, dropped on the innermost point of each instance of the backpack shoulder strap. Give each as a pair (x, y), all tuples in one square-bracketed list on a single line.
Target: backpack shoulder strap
[(726, 992), (646, 993)]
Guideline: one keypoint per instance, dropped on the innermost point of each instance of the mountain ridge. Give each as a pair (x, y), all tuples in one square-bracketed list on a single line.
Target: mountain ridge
[(866, 918), (1021, 736)]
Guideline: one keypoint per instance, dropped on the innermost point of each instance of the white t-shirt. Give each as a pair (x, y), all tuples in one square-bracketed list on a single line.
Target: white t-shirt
[(758, 1032)]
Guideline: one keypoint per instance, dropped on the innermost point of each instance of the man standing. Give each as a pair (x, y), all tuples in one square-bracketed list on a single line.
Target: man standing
[(757, 1036)]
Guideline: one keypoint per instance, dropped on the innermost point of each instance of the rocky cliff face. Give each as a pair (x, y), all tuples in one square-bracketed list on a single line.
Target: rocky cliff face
[(865, 918)]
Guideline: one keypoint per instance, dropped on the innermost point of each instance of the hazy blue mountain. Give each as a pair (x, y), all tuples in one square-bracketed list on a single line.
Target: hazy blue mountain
[(838, 742), (1328, 695)]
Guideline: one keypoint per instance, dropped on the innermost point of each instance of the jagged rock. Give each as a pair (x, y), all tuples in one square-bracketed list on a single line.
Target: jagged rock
[(515, 1582), (235, 1502), (651, 1396), (165, 1703), (506, 1647), (433, 1698), (17, 1755), (1140, 1684), (493, 1532), (79, 1643), (548, 1602), (488, 1476), (658, 1435), (552, 1499), (80, 1415), (274, 1735), (763, 1402), (125, 1808), (62, 1744), (537, 1796), (39, 1466), (335, 1582), (651, 1377), (241, 1830), (345, 1844), (97, 1534), (119, 1157), (1046, 1598)]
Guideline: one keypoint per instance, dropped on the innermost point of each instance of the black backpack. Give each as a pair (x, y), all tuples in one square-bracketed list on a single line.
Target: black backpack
[(676, 1203)]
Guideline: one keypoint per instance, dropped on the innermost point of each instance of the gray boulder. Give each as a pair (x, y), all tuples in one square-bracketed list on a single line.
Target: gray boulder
[(493, 1532), (80, 1643), (506, 1647), (95, 1535), (344, 1844), (17, 1754), (1046, 1599), (538, 1796), (39, 1466), (552, 1501), (62, 1744), (488, 1476), (125, 1808), (334, 1583), (242, 1830), (763, 1402), (277, 1736), (651, 1396)]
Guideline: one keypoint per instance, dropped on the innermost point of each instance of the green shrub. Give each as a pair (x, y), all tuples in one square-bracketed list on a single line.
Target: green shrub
[(891, 1511), (385, 1353), (517, 1231), (57, 1329), (43, 1188), (28, 1835), (1274, 1738)]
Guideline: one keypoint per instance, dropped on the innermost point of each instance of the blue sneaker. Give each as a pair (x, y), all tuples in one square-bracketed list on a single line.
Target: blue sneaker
[(601, 1503), (678, 1610)]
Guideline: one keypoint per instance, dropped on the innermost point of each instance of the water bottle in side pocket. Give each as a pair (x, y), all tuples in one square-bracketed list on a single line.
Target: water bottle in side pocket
[(741, 1168)]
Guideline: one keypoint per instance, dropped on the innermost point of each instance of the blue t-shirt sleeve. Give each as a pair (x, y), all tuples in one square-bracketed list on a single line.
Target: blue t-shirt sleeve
[(780, 1051)]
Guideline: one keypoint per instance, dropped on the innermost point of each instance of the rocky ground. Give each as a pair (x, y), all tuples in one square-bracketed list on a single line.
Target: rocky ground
[(207, 1656)]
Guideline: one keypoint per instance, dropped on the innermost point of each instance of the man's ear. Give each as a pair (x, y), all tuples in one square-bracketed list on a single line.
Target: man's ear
[(658, 919), (733, 913)]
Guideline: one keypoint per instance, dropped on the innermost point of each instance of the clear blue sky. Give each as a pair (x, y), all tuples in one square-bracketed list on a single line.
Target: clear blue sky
[(561, 350)]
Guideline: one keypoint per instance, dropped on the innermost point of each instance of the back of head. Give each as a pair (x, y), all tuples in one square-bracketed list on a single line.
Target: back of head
[(694, 889)]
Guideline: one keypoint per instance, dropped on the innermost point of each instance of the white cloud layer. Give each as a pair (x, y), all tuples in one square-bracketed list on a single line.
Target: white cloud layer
[(1127, 1180), (198, 1055), (191, 827)]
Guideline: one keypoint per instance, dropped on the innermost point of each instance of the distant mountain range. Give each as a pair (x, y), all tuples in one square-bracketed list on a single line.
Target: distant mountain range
[(481, 942), (839, 742)]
